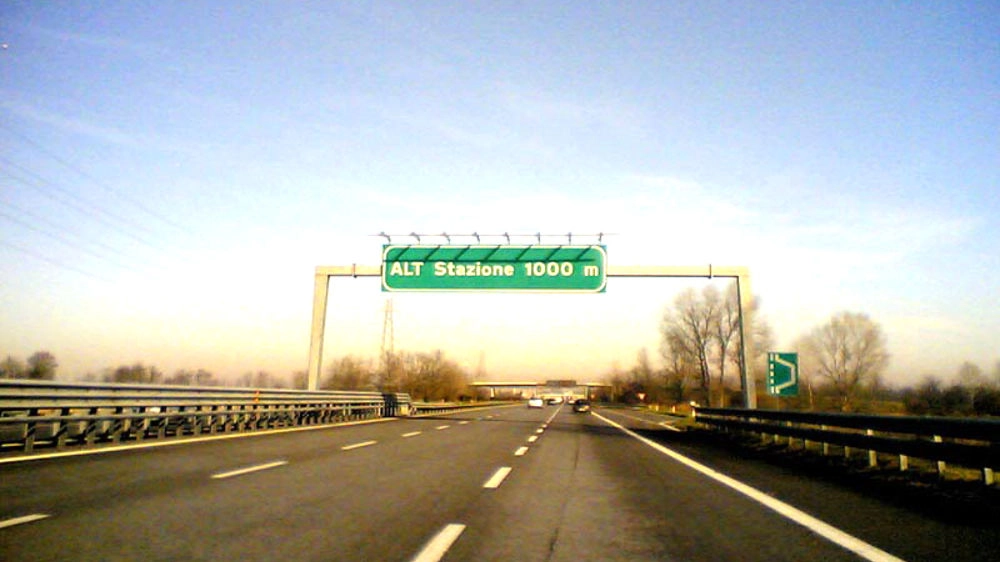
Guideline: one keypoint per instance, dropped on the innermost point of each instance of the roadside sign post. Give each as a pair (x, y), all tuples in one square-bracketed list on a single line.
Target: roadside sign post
[(783, 374)]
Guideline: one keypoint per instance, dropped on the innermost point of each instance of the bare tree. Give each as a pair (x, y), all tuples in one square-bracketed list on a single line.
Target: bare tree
[(133, 373), (687, 331), (701, 334), (42, 365), (349, 373), (849, 352), (726, 333), (12, 368)]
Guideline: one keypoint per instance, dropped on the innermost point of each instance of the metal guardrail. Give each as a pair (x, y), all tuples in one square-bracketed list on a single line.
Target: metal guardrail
[(428, 408), (60, 415), (968, 442)]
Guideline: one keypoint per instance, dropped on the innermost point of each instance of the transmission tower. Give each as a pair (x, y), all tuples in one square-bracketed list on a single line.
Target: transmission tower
[(388, 340)]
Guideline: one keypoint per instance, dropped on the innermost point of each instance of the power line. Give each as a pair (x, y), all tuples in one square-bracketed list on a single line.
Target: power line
[(64, 240), (51, 224), (54, 262), (67, 198), (86, 175)]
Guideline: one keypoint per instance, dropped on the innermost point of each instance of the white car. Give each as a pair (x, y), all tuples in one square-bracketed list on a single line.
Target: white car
[(536, 402)]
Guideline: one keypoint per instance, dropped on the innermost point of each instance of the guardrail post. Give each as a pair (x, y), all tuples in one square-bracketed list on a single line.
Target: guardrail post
[(142, 423), (826, 446), (117, 426), (904, 463), (62, 430), (872, 455), (29, 432), (90, 433), (988, 478), (941, 465), (161, 425)]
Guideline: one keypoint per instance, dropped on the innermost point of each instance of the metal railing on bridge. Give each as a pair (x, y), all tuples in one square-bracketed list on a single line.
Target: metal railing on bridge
[(59, 415), (968, 442)]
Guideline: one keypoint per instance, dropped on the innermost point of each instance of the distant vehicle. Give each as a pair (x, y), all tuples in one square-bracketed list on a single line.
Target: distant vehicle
[(536, 402), (581, 406), (555, 401)]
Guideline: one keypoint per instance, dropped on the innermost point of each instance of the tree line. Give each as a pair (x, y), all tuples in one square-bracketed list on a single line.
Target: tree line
[(42, 365), (424, 376), (841, 364)]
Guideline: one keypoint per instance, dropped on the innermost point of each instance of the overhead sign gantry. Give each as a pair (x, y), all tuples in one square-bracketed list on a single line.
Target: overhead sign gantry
[(506, 267)]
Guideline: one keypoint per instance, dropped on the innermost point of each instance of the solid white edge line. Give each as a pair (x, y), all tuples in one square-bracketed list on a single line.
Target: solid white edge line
[(498, 477), (437, 547), (825, 530), (358, 445), (520, 452), (249, 469), (412, 433), (23, 519), (665, 425)]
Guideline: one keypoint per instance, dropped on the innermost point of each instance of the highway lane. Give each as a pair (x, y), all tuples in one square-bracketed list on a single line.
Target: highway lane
[(589, 492), (576, 489), (905, 526), (378, 502)]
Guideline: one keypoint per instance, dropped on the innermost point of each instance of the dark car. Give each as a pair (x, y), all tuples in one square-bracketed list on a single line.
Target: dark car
[(581, 406)]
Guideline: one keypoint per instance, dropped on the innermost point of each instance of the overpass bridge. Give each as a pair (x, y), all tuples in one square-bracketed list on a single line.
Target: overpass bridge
[(546, 389)]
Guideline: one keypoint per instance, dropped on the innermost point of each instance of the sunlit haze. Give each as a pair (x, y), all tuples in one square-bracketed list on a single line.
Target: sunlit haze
[(171, 174)]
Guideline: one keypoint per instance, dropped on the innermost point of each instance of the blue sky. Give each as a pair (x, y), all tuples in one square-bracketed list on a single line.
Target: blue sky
[(172, 173)]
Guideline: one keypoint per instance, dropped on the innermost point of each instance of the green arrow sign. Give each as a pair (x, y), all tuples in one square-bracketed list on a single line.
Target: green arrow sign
[(783, 374), (574, 269)]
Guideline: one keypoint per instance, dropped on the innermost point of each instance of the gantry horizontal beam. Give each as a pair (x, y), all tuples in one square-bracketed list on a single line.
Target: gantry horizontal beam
[(613, 271)]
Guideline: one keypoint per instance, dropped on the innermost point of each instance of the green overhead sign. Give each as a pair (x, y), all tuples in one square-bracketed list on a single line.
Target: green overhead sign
[(783, 374), (573, 269)]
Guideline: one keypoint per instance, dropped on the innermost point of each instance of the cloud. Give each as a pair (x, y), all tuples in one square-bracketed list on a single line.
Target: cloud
[(541, 107)]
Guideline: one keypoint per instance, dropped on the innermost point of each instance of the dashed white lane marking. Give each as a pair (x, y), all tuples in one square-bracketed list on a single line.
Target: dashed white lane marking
[(539, 430), (358, 445), (412, 433), (463, 422), (532, 439), (440, 427), (553, 416), (437, 547), (825, 530), (520, 451), (22, 520), (249, 469), (497, 478)]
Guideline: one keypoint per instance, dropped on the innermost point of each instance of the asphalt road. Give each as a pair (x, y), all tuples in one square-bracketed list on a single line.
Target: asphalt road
[(507, 483)]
